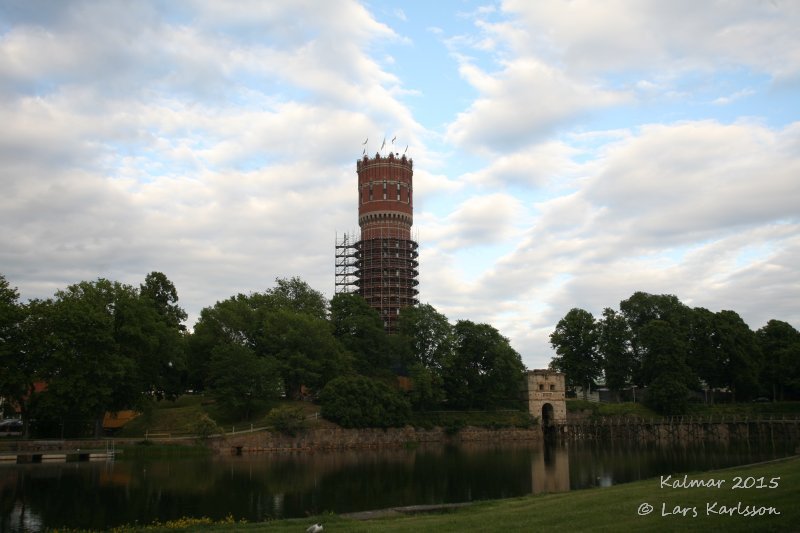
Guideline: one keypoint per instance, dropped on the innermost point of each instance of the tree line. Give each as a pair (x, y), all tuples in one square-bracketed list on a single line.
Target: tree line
[(657, 342), (103, 346)]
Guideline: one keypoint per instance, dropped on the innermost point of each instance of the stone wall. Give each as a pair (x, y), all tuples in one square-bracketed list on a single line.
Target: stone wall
[(682, 429), (342, 439)]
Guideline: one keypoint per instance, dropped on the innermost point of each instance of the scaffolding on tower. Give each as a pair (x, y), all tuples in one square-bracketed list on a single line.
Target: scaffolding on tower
[(345, 279)]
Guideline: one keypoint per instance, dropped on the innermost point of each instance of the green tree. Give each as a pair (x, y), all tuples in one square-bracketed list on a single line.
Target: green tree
[(107, 349), (161, 368), (90, 370), (704, 355), (427, 387), (359, 401), (639, 310), (780, 346), (664, 367), (664, 352), (613, 348), (19, 365), (242, 382), (575, 342), (231, 321), (740, 355), (164, 297), (305, 348), (296, 295), (668, 395), (359, 328), (241, 319), (724, 352), (484, 371), (429, 334)]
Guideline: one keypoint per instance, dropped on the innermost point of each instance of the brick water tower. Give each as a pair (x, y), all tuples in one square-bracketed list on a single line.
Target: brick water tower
[(381, 264)]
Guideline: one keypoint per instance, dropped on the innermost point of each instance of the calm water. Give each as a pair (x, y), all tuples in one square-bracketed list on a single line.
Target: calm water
[(99, 495)]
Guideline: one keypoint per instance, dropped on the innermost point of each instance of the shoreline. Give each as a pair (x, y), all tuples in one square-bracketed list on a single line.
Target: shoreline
[(637, 506)]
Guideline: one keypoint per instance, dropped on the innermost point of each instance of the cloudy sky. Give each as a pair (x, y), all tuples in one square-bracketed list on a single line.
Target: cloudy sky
[(566, 154)]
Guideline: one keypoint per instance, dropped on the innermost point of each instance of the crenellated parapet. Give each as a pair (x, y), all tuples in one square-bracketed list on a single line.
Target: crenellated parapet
[(391, 159)]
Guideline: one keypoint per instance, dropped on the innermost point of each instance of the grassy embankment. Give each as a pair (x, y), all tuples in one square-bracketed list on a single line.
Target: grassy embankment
[(182, 416), (614, 508)]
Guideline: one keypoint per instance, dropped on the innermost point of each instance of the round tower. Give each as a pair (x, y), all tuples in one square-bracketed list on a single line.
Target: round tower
[(386, 256)]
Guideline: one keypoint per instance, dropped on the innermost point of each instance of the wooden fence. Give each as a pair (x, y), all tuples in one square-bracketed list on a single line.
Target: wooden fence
[(723, 427)]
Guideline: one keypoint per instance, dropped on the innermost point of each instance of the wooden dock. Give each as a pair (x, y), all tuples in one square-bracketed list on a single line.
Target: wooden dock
[(59, 457)]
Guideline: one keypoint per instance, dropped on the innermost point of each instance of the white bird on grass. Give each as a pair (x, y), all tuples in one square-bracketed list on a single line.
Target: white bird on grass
[(314, 528)]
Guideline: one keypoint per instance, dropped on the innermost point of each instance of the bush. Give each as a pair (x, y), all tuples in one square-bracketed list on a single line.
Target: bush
[(668, 395), (454, 427), (358, 402), (289, 420), (205, 427)]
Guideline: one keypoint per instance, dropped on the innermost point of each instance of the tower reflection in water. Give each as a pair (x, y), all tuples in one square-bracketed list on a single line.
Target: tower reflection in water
[(550, 468)]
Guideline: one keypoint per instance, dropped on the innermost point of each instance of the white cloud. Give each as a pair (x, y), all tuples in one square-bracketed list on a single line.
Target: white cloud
[(216, 143), (535, 166), (524, 102), (667, 209), (478, 221), (689, 180), (205, 142), (617, 35), (725, 100)]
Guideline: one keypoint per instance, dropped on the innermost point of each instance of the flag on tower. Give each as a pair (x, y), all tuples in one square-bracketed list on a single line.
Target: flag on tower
[(365, 141), (384, 143), (393, 138)]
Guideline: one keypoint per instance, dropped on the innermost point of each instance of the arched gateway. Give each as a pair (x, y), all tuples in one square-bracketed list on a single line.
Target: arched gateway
[(546, 392)]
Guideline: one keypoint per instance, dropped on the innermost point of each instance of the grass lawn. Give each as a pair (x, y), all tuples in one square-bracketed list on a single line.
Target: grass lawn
[(774, 488)]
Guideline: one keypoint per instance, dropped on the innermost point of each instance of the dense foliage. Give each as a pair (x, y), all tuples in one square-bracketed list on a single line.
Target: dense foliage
[(103, 346), (95, 347), (675, 351), (360, 402)]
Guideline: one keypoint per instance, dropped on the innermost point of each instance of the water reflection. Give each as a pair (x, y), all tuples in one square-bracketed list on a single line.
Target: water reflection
[(550, 468), (258, 487)]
